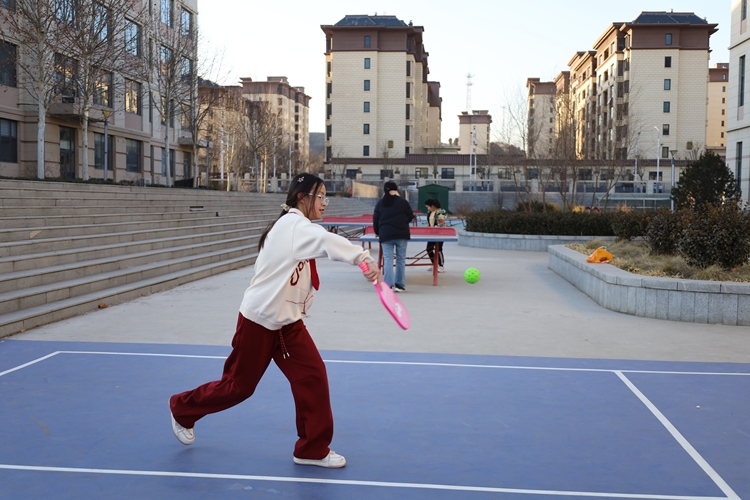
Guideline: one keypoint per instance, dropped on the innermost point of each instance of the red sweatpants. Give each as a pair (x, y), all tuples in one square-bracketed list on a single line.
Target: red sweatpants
[(253, 348)]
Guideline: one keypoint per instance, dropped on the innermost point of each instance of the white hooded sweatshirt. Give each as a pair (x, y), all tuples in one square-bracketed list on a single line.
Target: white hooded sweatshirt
[(281, 291)]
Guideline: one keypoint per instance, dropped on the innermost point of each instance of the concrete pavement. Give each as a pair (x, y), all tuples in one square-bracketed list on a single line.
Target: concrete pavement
[(518, 308)]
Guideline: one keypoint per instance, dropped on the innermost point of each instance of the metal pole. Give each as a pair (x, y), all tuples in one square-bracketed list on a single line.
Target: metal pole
[(671, 189), (658, 155)]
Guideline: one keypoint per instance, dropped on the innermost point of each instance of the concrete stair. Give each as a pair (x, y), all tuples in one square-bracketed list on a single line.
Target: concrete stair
[(66, 248)]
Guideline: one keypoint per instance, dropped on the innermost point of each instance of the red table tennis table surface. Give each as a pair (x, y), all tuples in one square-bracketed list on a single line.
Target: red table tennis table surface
[(418, 234)]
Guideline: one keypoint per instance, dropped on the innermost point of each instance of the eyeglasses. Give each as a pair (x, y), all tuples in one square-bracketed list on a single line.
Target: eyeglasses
[(320, 197)]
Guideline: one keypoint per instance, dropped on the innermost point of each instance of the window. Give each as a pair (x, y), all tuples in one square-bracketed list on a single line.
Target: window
[(408, 90), (367, 107), (367, 63), (743, 12), (7, 64), (166, 61), (186, 117), (408, 68), (368, 40), (738, 167), (65, 12), (132, 155), (408, 111), (667, 61), (8, 4), (328, 68), (366, 128), (329, 90), (166, 12), (665, 151), (132, 38), (668, 39), (99, 152), (741, 101), (186, 23), (365, 150), (164, 161), (329, 153), (66, 71), (329, 132), (407, 150), (367, 85), (103, 90), (665, 129), (407, 134), (8, 141), (101, 22), (667, 84), (447, 173), (666, 106), (186, 70), (187, 164), (132, 97)]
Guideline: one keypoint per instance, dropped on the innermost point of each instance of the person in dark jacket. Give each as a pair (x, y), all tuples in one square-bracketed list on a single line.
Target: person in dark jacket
[(391, 221)]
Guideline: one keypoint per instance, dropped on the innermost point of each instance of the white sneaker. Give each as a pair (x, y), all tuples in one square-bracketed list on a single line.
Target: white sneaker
[(332, 461), (183, 434), (441, 269)]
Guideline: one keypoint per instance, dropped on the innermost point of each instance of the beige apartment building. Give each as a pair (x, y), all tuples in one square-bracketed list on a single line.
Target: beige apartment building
[(132, 98), (379, 101), (291, 105), (716, 120), (738, 122), (542, 114), (474, 132), (635, 93)]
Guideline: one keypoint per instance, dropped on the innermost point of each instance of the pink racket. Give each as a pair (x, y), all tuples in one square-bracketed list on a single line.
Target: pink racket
[(392, 303)]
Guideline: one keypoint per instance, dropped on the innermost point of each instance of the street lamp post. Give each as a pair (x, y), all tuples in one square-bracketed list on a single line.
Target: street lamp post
[(658, 155), (671, 189), (106, 113)]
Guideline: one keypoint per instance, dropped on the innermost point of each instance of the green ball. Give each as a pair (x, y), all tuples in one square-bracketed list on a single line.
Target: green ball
[(471, 275)]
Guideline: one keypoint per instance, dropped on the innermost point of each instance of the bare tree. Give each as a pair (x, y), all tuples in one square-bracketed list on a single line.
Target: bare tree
[(172, 77), (32, 25), (259, 130), (94, 35)]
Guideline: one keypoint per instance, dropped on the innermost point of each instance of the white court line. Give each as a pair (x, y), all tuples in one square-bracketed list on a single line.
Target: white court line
[(419, 363), (29, 363), (710, 472), (383, 484), (681, 440)]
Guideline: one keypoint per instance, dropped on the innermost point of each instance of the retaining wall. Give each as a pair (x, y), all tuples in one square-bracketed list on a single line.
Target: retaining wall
[(692, 301), (523, 242)]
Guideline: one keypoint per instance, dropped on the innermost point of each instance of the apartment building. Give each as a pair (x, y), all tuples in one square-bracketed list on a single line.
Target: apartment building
[(138, 107), (637, 90), (738, 125), (291, 105), (474, 132), (379, 100), (716, 119), (541, 100)]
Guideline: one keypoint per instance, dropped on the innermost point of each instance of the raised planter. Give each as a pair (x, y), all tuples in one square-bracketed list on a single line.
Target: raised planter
[(692, 301), (523, 242)]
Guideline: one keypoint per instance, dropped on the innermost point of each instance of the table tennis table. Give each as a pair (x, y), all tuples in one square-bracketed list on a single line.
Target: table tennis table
[(418, 235)]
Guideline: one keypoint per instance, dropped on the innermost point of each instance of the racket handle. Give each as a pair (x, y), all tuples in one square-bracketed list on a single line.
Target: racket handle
[(363, 266)]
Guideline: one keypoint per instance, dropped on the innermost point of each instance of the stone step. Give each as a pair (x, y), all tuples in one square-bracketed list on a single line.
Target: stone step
[(43, 294), (30, 246), (75, 255), (51, 312)]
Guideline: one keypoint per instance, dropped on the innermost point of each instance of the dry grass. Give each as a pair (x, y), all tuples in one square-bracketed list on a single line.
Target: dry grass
[(635, 258)]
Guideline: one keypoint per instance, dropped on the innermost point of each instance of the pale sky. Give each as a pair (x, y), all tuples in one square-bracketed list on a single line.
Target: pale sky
[(500, 42)]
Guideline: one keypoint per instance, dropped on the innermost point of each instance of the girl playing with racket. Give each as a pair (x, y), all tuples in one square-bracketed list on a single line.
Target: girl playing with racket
[(270, 326)]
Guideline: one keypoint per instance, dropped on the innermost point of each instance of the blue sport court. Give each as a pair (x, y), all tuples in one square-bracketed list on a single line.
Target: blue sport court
[(90, 420)]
